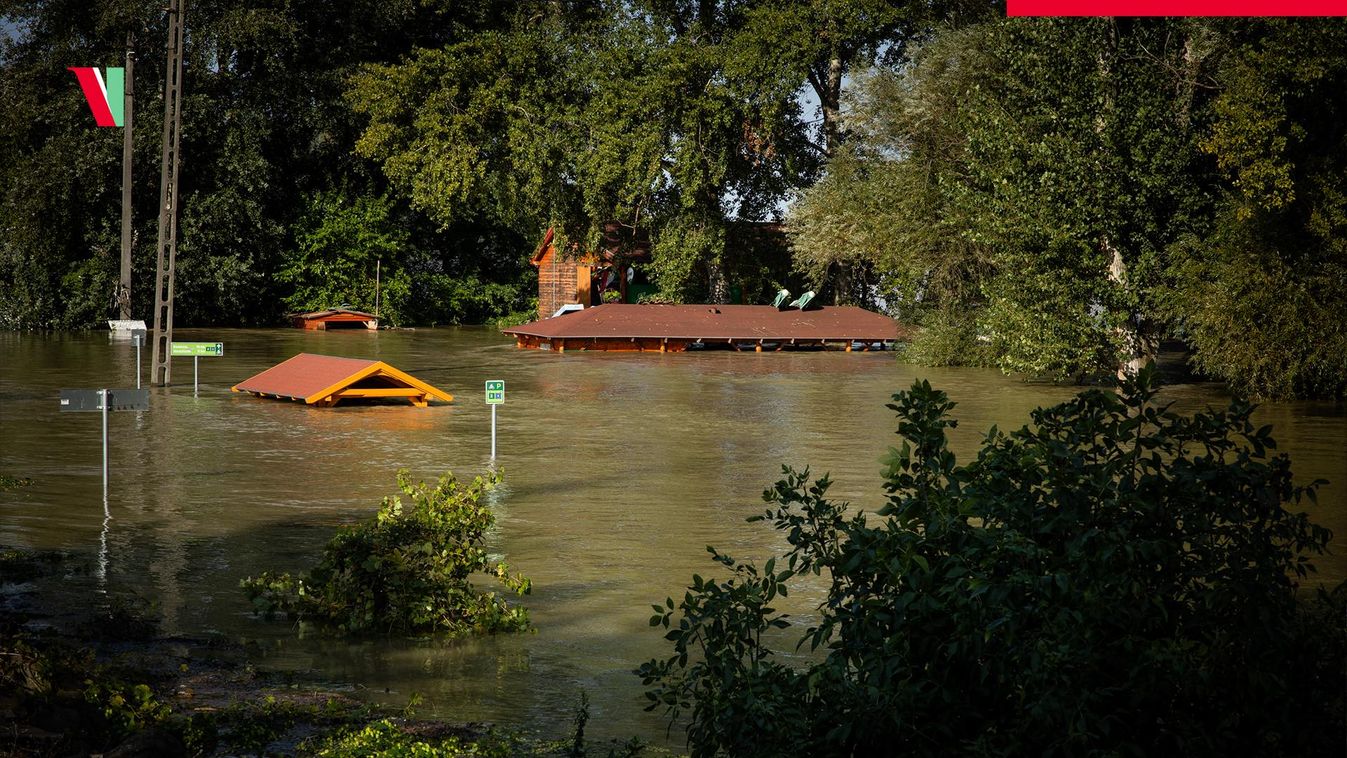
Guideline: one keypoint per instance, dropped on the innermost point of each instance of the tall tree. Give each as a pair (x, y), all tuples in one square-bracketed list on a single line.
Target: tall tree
[(670, 117), (265, 130), (1054, 197), (1262, 294), (1047, 163)]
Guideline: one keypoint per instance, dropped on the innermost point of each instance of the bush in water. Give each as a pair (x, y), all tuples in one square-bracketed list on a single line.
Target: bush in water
[(405, 571), (1116, 579)]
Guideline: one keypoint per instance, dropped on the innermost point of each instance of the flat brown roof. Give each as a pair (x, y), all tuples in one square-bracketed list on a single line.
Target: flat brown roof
[(334, 313), (715, 322)]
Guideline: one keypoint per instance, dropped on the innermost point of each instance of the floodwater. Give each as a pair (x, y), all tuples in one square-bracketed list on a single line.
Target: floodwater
[(619, 470)]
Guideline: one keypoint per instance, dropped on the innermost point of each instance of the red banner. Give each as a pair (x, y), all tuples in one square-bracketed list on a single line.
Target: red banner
[(1176, 7)]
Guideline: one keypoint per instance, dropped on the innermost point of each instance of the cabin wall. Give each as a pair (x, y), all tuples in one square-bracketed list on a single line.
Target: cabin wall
[(556, 282)]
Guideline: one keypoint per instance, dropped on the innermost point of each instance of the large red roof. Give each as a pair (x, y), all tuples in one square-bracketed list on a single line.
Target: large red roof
[(715, 322)]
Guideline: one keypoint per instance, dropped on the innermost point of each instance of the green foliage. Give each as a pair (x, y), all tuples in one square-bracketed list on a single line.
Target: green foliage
[(665, 117), (92, 706), (949, 338), (1260, 296), (385, 738), (339, 244), (406, 571), (127, 708), (266, 136), (8, 482), (518, 317), (1083, 188), (1115, 579)]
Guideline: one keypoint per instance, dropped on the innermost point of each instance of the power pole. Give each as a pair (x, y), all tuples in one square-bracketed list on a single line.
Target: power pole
[(124, 287), (161, 363)]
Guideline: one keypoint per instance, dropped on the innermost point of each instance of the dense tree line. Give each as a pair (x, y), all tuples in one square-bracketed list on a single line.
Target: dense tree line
[(1050, 197), (436, 140), (1054, 197), (277, 211)]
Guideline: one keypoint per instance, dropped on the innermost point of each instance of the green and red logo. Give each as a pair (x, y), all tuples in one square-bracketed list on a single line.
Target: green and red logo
[(104, 93)]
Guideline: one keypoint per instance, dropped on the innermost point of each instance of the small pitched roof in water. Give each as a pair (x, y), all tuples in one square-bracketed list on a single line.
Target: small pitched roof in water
[(325, 380), (335, 316), (715, 323)]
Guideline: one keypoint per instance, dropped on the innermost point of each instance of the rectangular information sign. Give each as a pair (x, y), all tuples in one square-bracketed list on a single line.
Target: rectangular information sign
[(197, 349), (118, 400), (495, 392)]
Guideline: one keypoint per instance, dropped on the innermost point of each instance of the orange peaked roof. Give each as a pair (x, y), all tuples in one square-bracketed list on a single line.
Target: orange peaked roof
[(325, 380)]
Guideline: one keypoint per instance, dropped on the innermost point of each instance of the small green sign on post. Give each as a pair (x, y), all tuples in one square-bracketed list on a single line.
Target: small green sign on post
[(195, 350), (495, 395), (495, 392)]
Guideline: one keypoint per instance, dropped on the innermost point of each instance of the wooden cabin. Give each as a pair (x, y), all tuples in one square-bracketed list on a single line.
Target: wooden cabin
[(335, 318), (581, 278)]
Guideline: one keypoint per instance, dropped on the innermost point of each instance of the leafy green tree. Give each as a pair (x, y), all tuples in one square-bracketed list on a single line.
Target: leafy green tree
[(406, 571), (340, 245), (1114, 579), (666, 117), (1023, 180), (1055, 197), (59, 195), (265, 131), (1260, 296)]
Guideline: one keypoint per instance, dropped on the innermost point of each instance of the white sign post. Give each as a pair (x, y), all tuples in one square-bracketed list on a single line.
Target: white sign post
[(495, 395), (104, 400), (138, 337)]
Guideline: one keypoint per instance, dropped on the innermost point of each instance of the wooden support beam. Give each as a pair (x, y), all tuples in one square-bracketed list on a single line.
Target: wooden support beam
[(379, 392)]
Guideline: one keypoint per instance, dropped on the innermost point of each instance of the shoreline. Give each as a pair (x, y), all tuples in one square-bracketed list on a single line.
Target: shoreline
[(101, 680)]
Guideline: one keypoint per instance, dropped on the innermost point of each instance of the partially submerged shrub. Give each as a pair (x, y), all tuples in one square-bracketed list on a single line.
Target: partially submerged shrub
[(408, 570), (384, 737), (1115, 580)]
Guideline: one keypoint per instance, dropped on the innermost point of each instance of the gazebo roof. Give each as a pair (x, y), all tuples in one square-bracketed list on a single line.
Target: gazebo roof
[(325, 380)]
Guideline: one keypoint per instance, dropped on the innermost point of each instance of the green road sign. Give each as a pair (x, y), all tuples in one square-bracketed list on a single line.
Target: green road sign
[(197, 349), (495, 392)]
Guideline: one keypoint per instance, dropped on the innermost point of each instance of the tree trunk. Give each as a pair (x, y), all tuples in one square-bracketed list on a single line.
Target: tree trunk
[(1139, 346), (717, 286), (842, 284), (827, 86)]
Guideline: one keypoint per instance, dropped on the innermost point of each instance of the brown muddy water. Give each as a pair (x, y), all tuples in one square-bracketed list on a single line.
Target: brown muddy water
[(619, 470)]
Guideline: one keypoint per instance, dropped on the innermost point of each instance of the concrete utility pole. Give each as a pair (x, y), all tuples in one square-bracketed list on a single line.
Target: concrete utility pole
[(124, 287), (161, 363)]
